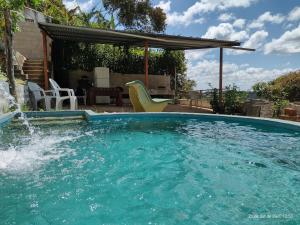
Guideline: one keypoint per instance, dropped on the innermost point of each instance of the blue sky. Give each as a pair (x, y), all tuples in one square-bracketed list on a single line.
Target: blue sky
[(270, 26)]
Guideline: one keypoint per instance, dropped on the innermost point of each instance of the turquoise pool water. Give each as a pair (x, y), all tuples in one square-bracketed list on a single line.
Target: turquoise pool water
[(149, 171)]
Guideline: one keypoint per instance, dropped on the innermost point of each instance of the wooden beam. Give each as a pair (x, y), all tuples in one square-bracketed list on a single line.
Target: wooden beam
[(221, 77), (45, 52), (241, 48), (146, 58)]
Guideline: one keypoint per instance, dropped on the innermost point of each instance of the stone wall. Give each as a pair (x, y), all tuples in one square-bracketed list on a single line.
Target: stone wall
[(202, 102), (22, 96), (258, 108)]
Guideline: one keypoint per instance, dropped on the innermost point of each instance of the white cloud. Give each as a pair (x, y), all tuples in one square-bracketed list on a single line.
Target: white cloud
[(225, 31), (244, 75), (166, 6), (289, 42), (196, 55), (256, 40), (84, 6), (226, 17), (294, 14), (196, 11), (267, 17), (239, 23)]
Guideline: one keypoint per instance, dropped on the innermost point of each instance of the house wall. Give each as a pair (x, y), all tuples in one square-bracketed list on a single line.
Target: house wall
[(28, 41)]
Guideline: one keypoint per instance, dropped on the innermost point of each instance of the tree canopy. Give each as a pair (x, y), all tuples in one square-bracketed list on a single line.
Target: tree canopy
[(137, 15), (286, 87)]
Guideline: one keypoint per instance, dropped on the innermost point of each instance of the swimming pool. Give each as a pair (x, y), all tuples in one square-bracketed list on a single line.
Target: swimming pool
[(150, 169)]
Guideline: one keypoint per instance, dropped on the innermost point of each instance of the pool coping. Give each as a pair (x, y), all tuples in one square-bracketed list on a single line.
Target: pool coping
[(90, 115)]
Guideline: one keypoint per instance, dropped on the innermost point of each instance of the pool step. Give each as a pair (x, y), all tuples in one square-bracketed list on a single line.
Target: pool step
[(51, 120)]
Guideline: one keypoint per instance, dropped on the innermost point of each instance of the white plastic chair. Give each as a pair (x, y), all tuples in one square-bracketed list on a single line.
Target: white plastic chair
[(59, 98), (39, 94)]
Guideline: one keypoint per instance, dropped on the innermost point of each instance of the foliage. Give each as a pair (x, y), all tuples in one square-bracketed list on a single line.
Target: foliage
[(288, 86), (187, 85), (25, 107), (233, 99), (280, 91), (54, 9), (2, 75), (214, 102), (284, 87), (14, 6), (262, 89), (128, 61), (137, 15), (279, 105)]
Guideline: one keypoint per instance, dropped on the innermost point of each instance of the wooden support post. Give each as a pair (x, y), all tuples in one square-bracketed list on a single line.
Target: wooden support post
[(221, 77), (46, 78), (146, 63)]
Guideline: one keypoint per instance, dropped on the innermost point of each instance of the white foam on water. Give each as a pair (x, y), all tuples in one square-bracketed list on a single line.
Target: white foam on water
[(37, 152)]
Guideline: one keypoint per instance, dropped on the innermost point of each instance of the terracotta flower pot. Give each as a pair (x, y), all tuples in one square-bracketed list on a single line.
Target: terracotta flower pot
[(290, 112)]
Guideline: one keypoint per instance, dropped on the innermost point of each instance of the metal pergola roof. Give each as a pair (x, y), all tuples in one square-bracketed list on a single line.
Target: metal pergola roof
[(106, 36), (134, 39)]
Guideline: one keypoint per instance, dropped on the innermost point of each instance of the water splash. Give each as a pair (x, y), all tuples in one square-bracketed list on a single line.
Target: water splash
[(34, 153), (35, 150), (12, 103)]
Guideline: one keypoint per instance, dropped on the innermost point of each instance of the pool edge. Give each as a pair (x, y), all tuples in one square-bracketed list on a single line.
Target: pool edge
[(90, 115), (93, 116)]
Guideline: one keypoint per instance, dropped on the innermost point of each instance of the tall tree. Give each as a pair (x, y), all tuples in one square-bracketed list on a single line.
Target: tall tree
[(137, 14)]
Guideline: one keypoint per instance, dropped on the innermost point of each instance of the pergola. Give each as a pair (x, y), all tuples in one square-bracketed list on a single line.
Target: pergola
[(135, 39)]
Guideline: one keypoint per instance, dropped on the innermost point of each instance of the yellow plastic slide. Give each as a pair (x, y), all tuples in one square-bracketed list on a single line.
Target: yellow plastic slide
[(141, 99)]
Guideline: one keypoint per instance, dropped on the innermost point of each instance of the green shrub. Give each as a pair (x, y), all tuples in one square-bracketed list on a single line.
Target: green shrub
[(280, 91), (214, 102), (285, 87), (278, 106), (233, 99)]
